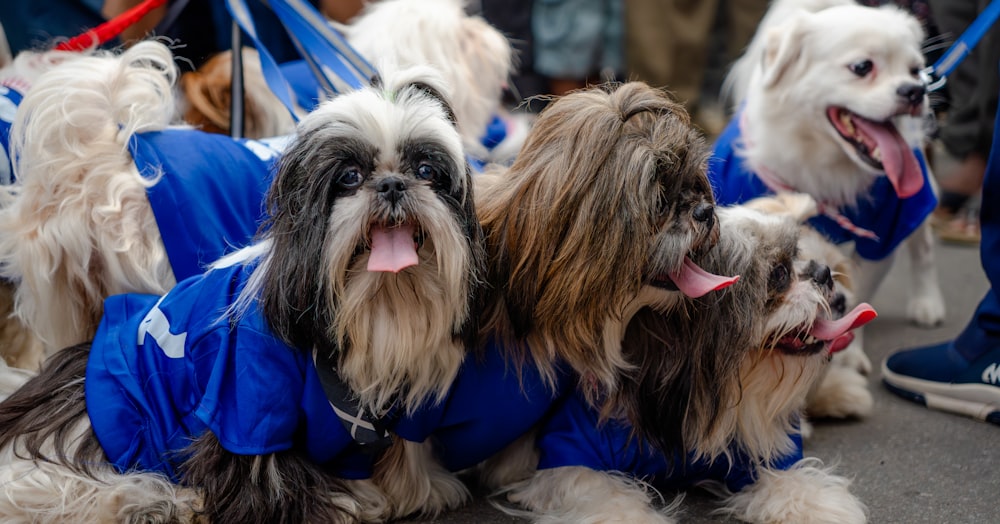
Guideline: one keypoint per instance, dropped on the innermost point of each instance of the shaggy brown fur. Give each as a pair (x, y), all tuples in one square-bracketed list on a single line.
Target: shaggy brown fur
[(596, 210)]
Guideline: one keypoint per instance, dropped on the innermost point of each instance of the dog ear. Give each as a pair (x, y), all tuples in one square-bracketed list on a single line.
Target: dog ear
[(432, 92), (783, 49), (208, 101)]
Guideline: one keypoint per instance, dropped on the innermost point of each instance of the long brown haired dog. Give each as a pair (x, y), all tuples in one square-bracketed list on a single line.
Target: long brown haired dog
[(596, 218)]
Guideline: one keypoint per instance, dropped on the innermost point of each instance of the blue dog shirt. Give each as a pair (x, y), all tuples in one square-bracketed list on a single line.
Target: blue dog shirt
[(573, 436), (209, 200), (163, 370), (880, 211)]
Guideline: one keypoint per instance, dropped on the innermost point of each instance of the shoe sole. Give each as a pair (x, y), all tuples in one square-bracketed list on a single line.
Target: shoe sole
[(979, 401)]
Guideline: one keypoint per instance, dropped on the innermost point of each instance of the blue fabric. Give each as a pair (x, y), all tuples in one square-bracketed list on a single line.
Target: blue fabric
[(892, 219), (210, 198), (164, 370), (573, 436), (305, 87), (9, 100)]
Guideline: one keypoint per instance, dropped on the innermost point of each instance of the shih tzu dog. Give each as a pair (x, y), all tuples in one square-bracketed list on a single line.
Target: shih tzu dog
[(110, 198), (268, 388), (472, 56), (601, 214), (714, 395), (841, 391)]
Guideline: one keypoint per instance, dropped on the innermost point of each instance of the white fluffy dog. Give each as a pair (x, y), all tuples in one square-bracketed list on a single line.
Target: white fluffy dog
[(473, 57), (100, 174), (832, 105)]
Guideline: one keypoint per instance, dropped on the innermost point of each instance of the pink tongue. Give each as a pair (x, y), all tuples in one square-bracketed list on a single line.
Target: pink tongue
[(900, 163), (831, 329), (392, 249), (840, 343), (694, 281)]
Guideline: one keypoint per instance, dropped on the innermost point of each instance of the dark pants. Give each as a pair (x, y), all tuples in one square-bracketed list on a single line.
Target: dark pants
[(983, 332)]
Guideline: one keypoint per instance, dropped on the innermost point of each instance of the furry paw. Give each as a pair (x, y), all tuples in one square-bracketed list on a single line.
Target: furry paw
[(843, 393), (807, 492), (926, 311)]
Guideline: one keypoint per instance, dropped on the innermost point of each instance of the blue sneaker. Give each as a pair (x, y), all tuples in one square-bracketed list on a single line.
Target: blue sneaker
[(939, 378)]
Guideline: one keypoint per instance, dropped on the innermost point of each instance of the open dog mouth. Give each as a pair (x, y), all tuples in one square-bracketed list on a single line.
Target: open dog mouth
[(692, 280), (880, 146), (394, 248), (835, 333)]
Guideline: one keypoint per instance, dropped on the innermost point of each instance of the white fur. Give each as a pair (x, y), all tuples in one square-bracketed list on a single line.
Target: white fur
[(80, 228), (807, 493), (579, 495), (474, 58)]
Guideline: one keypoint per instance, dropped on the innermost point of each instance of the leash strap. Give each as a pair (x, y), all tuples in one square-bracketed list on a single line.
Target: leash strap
[(369, 431), (110, 29), (272, 73), (936, 76), (337, 66)]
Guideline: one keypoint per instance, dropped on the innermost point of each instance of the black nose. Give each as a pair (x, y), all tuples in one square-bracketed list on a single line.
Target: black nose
[(839, 305), (391, 188), (704, 212), (913, 93), (821, 274)]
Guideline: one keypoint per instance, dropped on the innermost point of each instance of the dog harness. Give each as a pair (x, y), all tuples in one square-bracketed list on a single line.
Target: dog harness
[(888, 218), (574, 436), (209, 200), (163, 370)]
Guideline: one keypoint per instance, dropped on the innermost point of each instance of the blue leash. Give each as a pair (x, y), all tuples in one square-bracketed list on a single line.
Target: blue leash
[(936, 75), (337, 66)]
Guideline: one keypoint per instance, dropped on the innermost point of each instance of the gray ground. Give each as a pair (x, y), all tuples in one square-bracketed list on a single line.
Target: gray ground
[(909, 464)]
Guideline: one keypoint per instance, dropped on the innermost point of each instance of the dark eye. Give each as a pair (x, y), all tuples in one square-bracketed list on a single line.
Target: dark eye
[(779, 277), (862, 68), (425, 171), (914, 71), (350, 178)]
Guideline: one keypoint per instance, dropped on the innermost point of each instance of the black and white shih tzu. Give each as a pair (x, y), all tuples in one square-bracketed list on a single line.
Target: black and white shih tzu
[(253, 392), (715, 394)]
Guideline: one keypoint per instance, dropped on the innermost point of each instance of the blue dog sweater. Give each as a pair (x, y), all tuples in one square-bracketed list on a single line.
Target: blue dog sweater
[(880, 211), (209, 200), (574, 436), (163, 370)]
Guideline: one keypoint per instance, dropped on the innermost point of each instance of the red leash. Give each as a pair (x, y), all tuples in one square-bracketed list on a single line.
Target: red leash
[(110, 29)]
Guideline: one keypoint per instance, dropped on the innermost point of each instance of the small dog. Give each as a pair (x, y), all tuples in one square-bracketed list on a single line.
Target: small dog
[(109, 198), (205, 98), (255, 384), (714, 394), (473, 57), (600, 215), (842, 390), (832, 104)]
